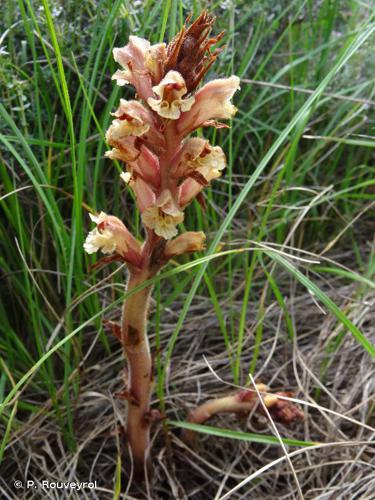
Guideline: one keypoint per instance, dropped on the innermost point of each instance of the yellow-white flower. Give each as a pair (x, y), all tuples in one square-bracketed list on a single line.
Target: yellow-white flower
[(209, 163), (132, 119), (198, 156), (124, 149), (123, 128), (163, 216), (111, 235), (170, 91), (100, 240), (201, 170)]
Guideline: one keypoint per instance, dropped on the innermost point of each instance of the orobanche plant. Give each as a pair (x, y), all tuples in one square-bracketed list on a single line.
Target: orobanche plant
[(167, 169)]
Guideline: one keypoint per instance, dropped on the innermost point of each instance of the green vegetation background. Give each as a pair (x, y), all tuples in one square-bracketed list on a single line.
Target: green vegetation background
[(299, 179)]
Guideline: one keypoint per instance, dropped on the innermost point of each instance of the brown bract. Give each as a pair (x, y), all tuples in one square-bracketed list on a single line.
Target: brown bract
[(282, 410), (189, 52)]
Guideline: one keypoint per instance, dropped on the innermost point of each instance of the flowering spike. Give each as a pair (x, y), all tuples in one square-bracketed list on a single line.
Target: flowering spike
[(165, 169)]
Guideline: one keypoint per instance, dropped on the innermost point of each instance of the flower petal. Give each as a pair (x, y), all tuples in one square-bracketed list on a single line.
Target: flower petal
[(164, 225), (144, 194), (211, 101), (163, 216), (147, 166), (170, 90), (126, 177)]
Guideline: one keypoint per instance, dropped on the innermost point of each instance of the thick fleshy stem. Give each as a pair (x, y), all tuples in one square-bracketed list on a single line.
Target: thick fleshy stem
[(134, 339), (137, 351), (140, 377), (243, 402)]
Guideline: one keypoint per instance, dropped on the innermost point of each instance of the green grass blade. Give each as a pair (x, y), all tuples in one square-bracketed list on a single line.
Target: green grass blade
[(241, 436)]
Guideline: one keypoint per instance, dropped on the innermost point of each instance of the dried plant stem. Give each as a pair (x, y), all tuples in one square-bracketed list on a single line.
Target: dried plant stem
[(140, 377), (243, 402)]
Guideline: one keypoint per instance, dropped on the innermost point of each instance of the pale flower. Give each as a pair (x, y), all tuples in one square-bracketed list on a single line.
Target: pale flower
[(132, 109), (190, 150), (100, 240), (209, 163), (163, 216), (111, 235), (170, 90), (211, 101), (124, 150), (133, 119), (142, 64), (131, 58), (103, 240), (197, 158), (207, 168)]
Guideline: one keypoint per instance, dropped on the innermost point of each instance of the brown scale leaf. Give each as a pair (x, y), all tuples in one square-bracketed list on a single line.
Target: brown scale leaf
[(189, 52)]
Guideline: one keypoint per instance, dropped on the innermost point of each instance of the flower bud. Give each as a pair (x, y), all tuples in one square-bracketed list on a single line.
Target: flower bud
[(147, 166), (187, 242), (190, 52)]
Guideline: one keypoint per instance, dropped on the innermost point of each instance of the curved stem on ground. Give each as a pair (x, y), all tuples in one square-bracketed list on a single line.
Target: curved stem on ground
[(244, 402)]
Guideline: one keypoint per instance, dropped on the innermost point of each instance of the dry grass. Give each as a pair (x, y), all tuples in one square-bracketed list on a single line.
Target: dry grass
[(343, 415)]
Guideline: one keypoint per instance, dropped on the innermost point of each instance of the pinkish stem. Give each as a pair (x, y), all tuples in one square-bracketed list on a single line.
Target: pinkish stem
[(136, 346), (243, 402)]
